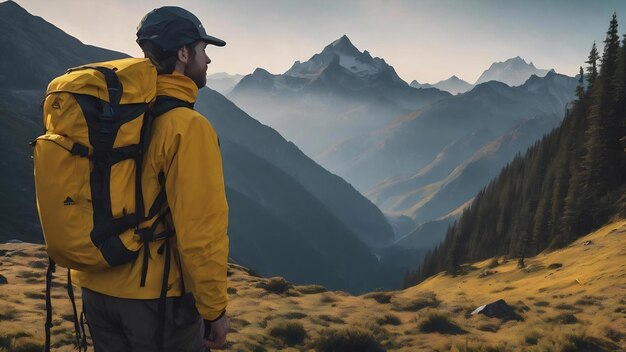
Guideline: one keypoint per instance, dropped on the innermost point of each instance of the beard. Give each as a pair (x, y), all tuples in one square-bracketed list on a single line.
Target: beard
[(196, 72)]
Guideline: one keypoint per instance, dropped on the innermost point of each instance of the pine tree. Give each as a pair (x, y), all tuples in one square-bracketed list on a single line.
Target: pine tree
[(580, 89), (611, 49), (592, 69), (565, 186)]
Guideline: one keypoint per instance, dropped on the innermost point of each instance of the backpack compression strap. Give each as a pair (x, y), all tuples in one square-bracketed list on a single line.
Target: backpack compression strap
[(161, 105)]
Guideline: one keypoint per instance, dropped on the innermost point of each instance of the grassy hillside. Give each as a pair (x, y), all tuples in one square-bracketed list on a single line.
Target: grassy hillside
[(570, 300)]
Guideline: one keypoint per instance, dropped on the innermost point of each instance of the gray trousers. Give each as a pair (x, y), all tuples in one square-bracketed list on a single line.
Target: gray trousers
[(125, 325)]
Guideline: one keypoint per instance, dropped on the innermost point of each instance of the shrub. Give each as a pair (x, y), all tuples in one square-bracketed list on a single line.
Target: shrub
[(311, 289), (292, 333), (19, 342), (580, 342), (488, 327), (478, 347), (347, 340), (532, 338), (26, 346), (276, 285), (238, 322), (8, 314), (38, 264), (294, 315), (565, 306), (332, 319), (34, 295), (573, 342), (327, 299), (428, 301), (389, 319), (27, 274), (588, 301), (555, 266), (440, 323), (613, 334), (68, 317), (380, 297), (565, 318)]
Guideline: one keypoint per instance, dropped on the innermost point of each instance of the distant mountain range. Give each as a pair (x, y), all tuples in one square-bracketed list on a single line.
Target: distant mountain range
[(288, 215), (339, 93), (223, 82), (419, 165), (412, 142), (453, 85), (513, 72)]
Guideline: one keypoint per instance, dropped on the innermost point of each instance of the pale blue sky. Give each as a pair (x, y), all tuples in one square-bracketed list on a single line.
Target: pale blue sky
[(426, 40)]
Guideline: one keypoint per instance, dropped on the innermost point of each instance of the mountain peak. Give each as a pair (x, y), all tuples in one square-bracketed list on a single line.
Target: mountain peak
[(344, 40), (342, 45), (11, 7), (513, 72), (261, 71)]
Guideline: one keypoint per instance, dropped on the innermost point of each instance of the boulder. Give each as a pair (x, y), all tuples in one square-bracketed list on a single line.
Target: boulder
[(3, 280), (498, 309), (38, 264)]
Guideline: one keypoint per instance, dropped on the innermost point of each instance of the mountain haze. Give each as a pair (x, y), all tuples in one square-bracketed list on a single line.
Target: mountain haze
[(223, 82), (571, 182), (288, 215), (454, 85), (513, 72), (412, 142), (337, 94)]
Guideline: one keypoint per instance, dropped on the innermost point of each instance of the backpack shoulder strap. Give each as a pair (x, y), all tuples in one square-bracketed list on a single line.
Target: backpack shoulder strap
[(164, 103), (161, 105)]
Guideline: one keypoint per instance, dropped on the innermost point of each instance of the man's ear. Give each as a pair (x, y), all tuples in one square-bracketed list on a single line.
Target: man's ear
[(183, 54)]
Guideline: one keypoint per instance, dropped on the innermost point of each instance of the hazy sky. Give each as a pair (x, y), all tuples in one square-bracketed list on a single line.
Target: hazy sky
[(426, 40)]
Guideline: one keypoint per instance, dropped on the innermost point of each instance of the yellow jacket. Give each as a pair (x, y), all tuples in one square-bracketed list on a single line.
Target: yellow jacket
[(184, 147)]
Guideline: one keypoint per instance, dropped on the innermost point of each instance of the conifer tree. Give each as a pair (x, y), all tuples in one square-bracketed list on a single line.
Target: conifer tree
[(565, 186), (580, 89), (611, 49), (592, 61)]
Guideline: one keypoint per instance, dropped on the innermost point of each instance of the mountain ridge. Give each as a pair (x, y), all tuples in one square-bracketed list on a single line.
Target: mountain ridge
[(352, 220), (513, 72)]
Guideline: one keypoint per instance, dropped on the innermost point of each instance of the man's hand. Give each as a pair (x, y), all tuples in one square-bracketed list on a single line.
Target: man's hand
[(219, 329)]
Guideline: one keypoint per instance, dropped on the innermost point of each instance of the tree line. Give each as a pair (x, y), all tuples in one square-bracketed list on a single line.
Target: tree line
[(568, 184)]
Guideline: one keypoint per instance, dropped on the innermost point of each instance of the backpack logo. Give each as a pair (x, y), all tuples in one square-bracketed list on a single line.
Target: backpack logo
[(68, 201), (56, 104)]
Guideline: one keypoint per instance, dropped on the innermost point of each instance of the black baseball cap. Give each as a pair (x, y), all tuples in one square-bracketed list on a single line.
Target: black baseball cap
[(172, 27)]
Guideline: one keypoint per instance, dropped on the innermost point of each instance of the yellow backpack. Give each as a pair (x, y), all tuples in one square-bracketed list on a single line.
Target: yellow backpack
[(97, 120), (88, 162)]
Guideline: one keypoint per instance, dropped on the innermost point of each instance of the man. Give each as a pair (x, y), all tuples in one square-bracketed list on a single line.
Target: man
[(184, 158)]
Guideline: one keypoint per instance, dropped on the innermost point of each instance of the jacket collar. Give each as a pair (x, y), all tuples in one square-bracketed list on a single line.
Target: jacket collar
[(178, 86)]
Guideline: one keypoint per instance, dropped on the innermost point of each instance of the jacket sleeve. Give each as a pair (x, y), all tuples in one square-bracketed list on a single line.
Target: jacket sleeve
[(197, 198)]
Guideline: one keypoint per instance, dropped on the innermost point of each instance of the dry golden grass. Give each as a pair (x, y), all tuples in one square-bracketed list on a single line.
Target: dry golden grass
[(580, 305)]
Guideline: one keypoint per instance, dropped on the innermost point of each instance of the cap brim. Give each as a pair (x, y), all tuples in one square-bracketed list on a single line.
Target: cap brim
[(212, 40)]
